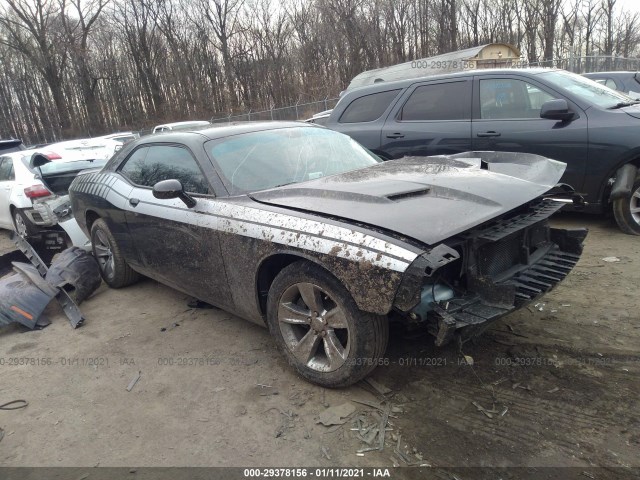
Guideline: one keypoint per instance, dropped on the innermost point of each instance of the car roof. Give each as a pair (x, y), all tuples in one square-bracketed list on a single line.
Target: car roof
[(224, 130), (610, 74), (383, 86)]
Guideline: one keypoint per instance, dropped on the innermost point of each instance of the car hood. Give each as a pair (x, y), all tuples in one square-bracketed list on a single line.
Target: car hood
[(426, 198), (633, 110)]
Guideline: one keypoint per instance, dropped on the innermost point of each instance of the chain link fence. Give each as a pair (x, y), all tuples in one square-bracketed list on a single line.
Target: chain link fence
[(592, 63), (299, 111)]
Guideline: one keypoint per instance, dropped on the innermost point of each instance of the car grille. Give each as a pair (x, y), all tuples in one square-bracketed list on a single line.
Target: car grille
[(543, 275), (496, 257)]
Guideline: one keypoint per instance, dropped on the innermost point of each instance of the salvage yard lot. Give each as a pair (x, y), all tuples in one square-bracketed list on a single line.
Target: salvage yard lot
[(562, 377)]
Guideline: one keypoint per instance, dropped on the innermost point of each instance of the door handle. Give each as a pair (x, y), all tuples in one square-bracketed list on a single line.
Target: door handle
[(490, 133), (134, 202), (395, 135)]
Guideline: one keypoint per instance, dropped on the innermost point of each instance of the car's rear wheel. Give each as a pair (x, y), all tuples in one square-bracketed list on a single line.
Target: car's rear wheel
[(114, 269), (627, 210), (318, 326), (23, 226)]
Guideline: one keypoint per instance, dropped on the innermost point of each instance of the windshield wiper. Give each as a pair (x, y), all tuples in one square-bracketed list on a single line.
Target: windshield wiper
[(283, 184), (623, 104)]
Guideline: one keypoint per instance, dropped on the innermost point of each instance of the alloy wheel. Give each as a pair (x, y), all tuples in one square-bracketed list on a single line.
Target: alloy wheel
[(634, 206), (103, 253), (314, 327), (21, 226)]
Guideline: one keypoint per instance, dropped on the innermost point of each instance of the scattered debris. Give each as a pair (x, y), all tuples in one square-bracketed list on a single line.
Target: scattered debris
[(369, 404), (171, 327), (611, 259), (75, 272), (519, 385), (336, 415), (195, 303), (240, 411), (263, 386), (383, 427), (378, 387), (133, 381), (325, 452), (554, 390), (219, 389), (14, 405), (487, 412)]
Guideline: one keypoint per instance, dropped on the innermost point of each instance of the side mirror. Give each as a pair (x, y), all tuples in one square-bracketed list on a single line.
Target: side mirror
[(557, 109), (168, 189)]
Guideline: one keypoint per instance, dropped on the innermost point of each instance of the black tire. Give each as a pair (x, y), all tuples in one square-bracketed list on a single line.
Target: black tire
[(625, 213), (363, 338), (22, 225), (114, 269)]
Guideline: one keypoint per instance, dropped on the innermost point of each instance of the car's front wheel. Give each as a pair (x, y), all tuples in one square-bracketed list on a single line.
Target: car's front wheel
[(627, 210), (114, 269), (318, 326)]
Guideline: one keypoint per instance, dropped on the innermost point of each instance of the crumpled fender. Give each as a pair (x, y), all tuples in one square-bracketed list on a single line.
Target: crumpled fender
[(23, 297), (75, 270)]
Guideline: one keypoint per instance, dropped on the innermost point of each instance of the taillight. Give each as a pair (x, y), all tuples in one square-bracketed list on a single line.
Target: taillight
[(52, 155), (36, 191)]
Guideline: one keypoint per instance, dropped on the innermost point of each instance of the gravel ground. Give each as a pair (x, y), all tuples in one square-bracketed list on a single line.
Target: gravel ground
[(561, 379)]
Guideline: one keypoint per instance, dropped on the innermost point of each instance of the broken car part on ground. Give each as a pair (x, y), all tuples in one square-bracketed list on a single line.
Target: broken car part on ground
[(302, 228), (72, 277)]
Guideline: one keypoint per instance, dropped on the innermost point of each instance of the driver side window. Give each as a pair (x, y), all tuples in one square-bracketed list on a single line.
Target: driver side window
[(510, 98), (149, 165)]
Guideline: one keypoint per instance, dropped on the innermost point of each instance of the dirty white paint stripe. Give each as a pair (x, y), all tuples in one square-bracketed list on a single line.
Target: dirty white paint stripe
[(283, 229)]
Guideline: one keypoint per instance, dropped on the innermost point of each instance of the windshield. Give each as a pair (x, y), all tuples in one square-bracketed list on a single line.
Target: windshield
[(267, 159), (586, 89)]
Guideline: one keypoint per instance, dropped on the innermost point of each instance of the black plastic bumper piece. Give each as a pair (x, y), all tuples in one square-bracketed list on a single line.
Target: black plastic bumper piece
[(69, 307), (625, 177)]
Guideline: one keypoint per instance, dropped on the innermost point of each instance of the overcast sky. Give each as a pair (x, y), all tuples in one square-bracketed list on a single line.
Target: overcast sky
[(629, 5)]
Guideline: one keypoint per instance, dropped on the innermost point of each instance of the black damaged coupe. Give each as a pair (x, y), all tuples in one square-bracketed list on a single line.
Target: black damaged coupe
[(303, 229)]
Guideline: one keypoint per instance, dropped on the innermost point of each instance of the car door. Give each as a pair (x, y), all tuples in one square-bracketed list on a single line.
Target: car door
[(431, 118), (507, 118), (6, 185), (176, 245)]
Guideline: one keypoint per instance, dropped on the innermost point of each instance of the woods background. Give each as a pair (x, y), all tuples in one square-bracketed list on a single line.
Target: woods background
[(75, 68)]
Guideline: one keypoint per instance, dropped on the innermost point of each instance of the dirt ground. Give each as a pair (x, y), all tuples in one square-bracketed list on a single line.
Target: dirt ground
[(561, 379)]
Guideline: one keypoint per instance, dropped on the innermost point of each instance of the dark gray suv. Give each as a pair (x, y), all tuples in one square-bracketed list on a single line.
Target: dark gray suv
[(554, 113)]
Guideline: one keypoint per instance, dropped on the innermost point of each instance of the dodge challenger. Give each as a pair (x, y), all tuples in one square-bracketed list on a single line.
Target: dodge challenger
[(302, 229)]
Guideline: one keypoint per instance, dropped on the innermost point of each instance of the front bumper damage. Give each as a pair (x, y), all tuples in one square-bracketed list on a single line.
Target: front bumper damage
[(489, 272)]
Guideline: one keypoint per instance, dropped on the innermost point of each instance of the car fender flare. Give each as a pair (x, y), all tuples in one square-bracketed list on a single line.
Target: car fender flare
[(632, 157), (625, 177)]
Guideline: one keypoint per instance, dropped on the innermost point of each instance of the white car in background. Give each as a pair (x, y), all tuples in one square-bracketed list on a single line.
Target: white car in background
[(33, 189), (169, 127), (120, 137), (96, 148)]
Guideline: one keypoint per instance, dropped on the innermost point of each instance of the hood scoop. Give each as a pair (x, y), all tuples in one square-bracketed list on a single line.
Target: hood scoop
[(410, 194)]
